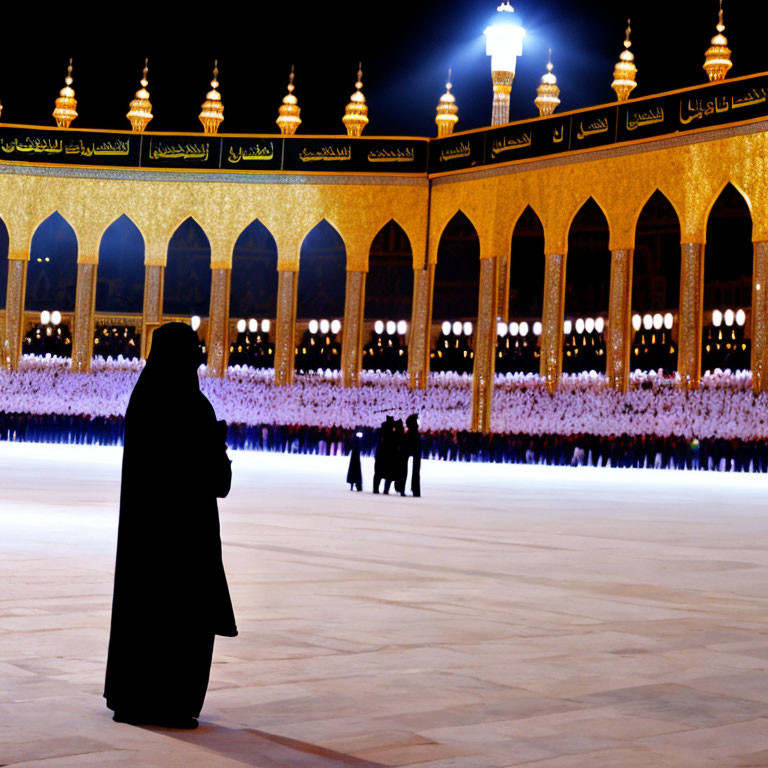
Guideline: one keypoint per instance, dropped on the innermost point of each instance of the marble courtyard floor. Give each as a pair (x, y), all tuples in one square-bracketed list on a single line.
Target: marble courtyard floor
[(513, 616)]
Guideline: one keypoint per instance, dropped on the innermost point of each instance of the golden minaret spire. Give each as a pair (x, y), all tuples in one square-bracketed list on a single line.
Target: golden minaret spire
[(356, 112), (717, 59), (547, 94), (288, 118), (66, 105), (447, 110), (140, 108), (212, 112), (625, 71)]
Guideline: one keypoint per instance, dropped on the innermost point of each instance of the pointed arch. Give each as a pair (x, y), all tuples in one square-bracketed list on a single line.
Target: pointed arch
[(389, 285), (4, 246), (457, 273), (526, 266), (52, 271), (120, 281), (729, 188), (592, 206), (254, 273), (187, 281), (322, 273)]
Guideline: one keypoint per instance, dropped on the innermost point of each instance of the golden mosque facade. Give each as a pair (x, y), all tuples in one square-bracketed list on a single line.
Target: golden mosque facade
[(689, 145)]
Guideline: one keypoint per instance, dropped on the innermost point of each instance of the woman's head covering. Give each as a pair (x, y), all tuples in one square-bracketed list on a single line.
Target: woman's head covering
[(174, 357)]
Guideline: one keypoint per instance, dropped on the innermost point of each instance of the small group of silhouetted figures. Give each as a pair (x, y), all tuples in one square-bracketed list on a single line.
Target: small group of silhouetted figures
[(395, 445)]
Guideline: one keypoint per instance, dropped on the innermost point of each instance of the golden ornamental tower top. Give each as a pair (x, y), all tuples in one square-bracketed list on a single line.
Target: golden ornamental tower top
[(547, 94), (717, 59), (447, 110), (140, 108), (288, 118), (212, 112), (625, 71), (66, 105), (356, 112)]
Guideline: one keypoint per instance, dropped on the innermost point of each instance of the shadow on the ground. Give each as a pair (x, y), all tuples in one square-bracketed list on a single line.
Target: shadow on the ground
[(265, 750)]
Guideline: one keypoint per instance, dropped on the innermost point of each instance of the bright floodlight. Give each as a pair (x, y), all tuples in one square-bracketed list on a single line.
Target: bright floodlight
[(647, 322), (335, 326), (195, 322), (45, 317), (467, 329), (402, 327), (728, 316), (241, 326), (537, 328), (589, 325), (265, 326), (312, 326), (514, 329), (457, 328), (579, 325), (600, 324), (504, 40), (741, 317), (325, 326), (717, 318), (524, 328), (637, 322), (669, 321), (391, 327), (446, 328), (501, 329), (378, 327), (567, 327), (55, 317), (658, 321), (253, 325)]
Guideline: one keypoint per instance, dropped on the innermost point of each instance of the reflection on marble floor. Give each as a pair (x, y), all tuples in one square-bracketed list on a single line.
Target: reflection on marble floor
[(513, 616)]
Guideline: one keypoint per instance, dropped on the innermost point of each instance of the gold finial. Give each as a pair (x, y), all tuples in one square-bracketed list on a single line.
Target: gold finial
[(212, 112), (288, 118), (717, 59), (625, 71), (356, 112), (66, 105), (547, 94), (447, 111), (140, 108)]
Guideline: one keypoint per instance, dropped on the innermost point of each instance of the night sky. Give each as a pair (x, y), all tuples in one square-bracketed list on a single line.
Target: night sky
[(406, 49)]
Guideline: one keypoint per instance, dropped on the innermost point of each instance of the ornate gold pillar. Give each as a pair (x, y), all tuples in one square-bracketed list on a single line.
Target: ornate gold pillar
[(218, 322), (85, 305), (485, 346), (352, 332), (421, 325), (502, 286), (760, 317), (691, 311), (619, 322), (285, 332), (152, 314), (14, 308), (553, 315)]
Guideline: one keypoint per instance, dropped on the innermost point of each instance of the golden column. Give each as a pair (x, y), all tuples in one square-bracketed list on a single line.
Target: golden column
[(285, 331), (421, 325), (218, 320), (356, 112), (759, 362), (485, 347), (619, 320), (553, 316), (352, 332), (66, 105), (212, 110), (690, 314), (154, 275), (288, 119), (625, 71), (85, 306), (717, 59), (18, 260), (447, 111)]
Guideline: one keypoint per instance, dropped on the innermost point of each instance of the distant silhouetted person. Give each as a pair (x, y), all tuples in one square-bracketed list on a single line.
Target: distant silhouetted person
[(413, 449), (171, 595), (382, 465), (355, 471), (398, 464)]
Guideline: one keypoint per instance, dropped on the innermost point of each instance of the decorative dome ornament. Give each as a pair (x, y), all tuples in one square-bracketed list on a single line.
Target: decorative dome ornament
[(288, 118), (140, 108), (447, 110), (717, 59), (547, 94), (212, 112), (356, 112), (625, 71), (66, 105)]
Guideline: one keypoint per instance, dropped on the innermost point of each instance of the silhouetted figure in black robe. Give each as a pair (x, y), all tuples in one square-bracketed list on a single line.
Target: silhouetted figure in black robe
[(355, 471), (398, 466), (413, 449), (382, 464), (170, 595)]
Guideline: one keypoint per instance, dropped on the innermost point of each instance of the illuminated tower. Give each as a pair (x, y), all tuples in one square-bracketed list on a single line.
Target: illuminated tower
[(447, 111), (717, 59), (212, 112), (66, 105), (503, 43), (288, 119), (356, 112), (140, 108), (625, 71), (547, 94)]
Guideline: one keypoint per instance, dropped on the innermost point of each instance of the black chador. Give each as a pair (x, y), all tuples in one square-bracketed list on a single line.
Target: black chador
[(171, 595), (399, 463), (382, 465), (355, 471), (413, 449)]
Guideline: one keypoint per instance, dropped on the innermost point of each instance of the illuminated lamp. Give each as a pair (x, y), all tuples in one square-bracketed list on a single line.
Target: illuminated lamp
[(514, 329), (669, 321), (241, 326), (467, 329), (253, 325), (391, 327), (579, 325), (446, 328), (599, 324), (503, 43), (537, 328), (313, 326), (567, 327), (55, 317), (501, 329), (265, 326), (647, 322), (378, 327), (637, 322), (456, 328), (658, 321), (325, 326), (402, 327), (524, 328), (589, 325), (335, 326), (45, 317), (717, 318), (741, 317), (195, 322), (728, 317)]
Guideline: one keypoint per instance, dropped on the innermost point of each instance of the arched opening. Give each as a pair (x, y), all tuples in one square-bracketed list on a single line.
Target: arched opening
[(253, 297), (517, 344), (655, 287), (728, 257), (119, 290), (388, 297), (4, 244), (187, 280), (51, 287), (587, 290), (320, 298), (454, 303)]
